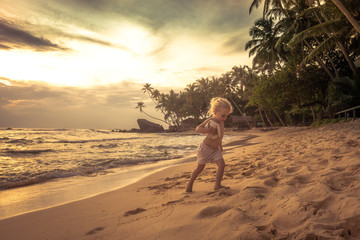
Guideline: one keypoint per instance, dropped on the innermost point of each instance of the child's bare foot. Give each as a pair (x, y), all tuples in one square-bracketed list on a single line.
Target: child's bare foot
[(189, 188), (221, 187)]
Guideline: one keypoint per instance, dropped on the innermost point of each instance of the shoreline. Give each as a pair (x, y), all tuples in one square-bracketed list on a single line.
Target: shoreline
[(53, 193), (291, 183), (56, 192)]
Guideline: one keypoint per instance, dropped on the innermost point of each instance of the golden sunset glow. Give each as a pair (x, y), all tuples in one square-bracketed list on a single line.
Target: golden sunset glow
[(68, 52)]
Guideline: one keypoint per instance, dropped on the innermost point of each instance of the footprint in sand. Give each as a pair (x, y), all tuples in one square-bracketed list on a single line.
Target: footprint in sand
[(340, 181), (352, 143), (299, 181), (212, 211), (255, 191), (176, 201), (354, 168), (320, 165), (225, 192), (292, 169), (318, 207), (161, 188), (271, 182), (351, 228)]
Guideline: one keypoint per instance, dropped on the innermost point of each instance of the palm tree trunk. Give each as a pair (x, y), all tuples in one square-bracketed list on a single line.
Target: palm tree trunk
[(346, 55), (330, 60), (262, 117), (155, 118), (278, 116), (268, 119), (238, 108), (347, 14), (313, 113)]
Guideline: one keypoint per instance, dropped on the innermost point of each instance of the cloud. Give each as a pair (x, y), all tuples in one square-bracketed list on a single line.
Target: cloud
[(236, 42), (78, 19), (12, 36), (168, 43), (37, 104), (211, 16)]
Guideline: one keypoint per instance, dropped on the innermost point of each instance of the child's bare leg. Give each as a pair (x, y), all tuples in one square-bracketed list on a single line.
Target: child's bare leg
[(219, 174), (194, 175)]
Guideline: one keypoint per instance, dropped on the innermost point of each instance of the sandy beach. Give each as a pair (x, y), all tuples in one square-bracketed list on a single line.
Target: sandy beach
[(287, 183)]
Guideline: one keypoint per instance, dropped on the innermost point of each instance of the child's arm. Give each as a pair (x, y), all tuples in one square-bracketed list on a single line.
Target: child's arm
[(202, 129), (221, 131)]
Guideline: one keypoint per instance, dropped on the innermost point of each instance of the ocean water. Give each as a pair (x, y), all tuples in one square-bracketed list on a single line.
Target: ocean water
[(33, 156)]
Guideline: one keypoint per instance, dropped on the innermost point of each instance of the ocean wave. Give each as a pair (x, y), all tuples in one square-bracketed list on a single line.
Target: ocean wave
[(176, 147), (32, 156), (49, 129), (20, 141), (29, 151), (24, 180), (97, 140), (109, 145), (100, 167)]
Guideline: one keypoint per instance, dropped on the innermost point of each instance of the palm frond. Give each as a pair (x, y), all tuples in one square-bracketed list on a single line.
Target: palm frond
[(332, 26), (325, 46), (255, 3)]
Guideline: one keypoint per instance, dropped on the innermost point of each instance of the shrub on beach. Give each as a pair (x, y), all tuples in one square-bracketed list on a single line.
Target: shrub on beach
[(327, 121)]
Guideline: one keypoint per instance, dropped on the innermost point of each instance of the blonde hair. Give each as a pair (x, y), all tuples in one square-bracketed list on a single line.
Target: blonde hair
[(218, 103)]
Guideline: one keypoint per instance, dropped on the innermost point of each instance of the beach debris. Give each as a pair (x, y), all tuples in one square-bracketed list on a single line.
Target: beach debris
[(133, 212), (95, 230)]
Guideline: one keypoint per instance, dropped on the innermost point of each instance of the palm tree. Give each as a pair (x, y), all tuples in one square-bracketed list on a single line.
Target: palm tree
[(265, 35), (347, 14), (331, 32), (296, 21), (154, 95), (194, 101), (150, 90), (256, 3), (229, 85), (334, 33), (203, 84), (140, 106)]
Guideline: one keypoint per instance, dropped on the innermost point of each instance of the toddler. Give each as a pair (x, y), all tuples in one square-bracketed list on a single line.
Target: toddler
[(210, 150)]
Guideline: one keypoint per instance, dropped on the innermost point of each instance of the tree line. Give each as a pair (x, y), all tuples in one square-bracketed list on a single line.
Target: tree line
[(303, 69)]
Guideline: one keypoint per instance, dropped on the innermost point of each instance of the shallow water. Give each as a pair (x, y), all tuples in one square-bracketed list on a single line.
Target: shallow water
[(31, 156), (15, 201), (41, 168)]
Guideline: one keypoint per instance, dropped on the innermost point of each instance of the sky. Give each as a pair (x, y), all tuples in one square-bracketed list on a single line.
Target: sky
[(83, 63)]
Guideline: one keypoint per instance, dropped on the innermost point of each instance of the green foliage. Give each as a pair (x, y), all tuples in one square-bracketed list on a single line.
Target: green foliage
[(194, 101), (317, 47), (324, 122), (303, 69)]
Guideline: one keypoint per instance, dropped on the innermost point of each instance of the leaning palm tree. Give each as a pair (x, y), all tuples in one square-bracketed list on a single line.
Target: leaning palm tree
[(338, 3), (140, 106), (331, 32), (295, 22), (347, 14)]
